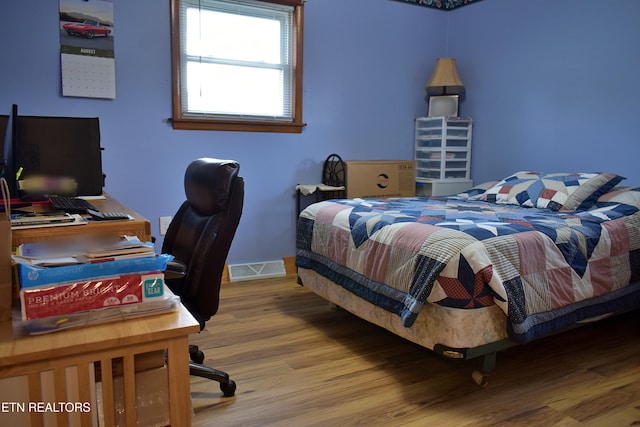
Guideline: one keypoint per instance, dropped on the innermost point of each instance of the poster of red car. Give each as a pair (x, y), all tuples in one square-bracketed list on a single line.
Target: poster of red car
[(87, 48), (87, 28)]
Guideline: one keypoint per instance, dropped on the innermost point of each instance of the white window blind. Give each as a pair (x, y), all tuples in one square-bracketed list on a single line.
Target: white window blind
[(236, 59)]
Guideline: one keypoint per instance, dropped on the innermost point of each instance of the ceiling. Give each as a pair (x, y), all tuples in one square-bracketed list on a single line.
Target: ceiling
[(441, 4)]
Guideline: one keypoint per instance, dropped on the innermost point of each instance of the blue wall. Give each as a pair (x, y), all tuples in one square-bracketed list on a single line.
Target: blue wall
[(365, 66), (550, 85)]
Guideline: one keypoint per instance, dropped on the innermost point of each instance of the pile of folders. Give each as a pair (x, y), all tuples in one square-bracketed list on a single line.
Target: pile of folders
[(61, 285)]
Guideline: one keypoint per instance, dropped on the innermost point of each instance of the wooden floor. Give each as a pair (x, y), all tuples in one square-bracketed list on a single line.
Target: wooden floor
[(299, 363)]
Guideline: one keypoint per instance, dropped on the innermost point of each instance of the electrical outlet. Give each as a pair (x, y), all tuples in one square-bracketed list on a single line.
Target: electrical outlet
[(164, 224)]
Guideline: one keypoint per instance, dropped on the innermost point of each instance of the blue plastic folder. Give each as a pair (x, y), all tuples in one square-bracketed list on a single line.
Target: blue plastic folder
[(31, 276)]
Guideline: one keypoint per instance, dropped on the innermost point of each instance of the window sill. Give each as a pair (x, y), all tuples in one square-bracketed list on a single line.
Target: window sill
[(238, 126)]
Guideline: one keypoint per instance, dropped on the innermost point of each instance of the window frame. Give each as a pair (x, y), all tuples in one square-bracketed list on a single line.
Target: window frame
[(179, 121)]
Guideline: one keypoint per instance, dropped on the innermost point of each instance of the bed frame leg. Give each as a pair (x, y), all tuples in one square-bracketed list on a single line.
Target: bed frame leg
[(486, 364)]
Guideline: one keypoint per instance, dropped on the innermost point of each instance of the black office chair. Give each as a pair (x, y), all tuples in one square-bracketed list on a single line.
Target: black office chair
[(199, 237)]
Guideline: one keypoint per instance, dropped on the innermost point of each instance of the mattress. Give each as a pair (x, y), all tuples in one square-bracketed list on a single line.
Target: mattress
[(435, 325), (500, 270)]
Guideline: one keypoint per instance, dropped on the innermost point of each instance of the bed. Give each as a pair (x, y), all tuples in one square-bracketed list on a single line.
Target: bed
[(472, 274)]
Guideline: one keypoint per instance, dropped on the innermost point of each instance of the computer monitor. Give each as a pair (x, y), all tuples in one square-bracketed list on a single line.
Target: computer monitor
[(62, 147), (9, 152), (57, 147)]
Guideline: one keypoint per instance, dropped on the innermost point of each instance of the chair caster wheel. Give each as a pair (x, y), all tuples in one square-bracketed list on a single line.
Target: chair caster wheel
[(228, 389), (480, 378), (197, 357)]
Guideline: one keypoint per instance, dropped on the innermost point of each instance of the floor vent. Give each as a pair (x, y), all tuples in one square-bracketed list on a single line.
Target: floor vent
[(259, 270)]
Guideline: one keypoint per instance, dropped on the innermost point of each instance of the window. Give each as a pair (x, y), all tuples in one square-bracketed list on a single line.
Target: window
[(237, 65)]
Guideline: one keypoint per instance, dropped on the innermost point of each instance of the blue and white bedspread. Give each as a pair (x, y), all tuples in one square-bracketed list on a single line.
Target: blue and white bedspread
[(545, 269)]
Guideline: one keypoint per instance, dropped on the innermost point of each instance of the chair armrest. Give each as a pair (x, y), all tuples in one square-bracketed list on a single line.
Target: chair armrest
[(175, 270)]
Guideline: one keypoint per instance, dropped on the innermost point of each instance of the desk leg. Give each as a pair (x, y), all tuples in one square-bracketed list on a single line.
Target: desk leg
[(179, 382)]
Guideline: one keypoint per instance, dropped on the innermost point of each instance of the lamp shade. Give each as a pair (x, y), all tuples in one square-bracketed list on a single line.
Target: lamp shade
[(445, 79)]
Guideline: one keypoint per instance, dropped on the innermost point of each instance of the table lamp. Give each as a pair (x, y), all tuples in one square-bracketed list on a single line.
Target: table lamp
[(444, 88)]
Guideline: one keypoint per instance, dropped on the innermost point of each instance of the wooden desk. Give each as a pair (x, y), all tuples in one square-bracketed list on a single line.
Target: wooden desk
[(139, 226), (80, 348)]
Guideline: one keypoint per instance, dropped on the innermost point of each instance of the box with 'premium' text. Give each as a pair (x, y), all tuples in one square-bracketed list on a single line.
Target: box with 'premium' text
[(380, 178), (62, 299)]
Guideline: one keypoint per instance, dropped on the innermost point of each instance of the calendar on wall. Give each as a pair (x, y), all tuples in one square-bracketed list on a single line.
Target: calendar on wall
[(87, 56)]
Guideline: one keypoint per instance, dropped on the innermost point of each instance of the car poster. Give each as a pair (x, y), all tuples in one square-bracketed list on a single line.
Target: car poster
[(86, 48)]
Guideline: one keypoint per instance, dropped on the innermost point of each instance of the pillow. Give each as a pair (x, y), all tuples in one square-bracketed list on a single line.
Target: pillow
[(586, 195), (623, 195), (477, 191), (556, 191)]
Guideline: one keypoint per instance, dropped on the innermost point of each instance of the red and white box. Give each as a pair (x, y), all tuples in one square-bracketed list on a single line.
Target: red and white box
[(92, 294)]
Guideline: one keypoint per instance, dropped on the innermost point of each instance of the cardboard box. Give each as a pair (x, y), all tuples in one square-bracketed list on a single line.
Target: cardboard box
[(152, 399), (383, 178), (141, 362), (92, 294)]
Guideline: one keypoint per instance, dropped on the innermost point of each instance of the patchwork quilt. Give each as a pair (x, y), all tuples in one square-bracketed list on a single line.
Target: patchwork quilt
[(545, 269)]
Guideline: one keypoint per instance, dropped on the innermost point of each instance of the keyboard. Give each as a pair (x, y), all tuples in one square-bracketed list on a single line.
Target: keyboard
[(71, 205)]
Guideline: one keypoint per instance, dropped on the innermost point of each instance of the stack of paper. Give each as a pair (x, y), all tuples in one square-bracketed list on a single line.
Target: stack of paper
[(72, 320), (121, 250), (84, 251), (80, 276), (32, 220)]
